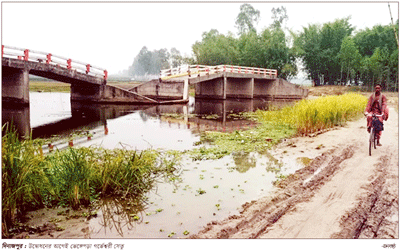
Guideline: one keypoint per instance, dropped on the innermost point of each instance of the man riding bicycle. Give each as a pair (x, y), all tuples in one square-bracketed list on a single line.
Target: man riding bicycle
[(376, 105)]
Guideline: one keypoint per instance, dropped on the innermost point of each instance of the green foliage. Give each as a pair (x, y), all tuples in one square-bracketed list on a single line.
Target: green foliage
[(306, 116), (23, 179), (349, 58), (75, 176), (69, 175), (216, 49), (241, 143), (319, 48), (266, 50), (332, 54), (309, 116)]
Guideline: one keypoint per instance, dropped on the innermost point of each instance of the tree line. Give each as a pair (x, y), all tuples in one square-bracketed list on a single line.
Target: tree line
[(333, 53)]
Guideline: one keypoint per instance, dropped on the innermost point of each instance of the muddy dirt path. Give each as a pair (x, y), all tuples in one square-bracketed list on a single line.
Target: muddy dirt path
[(343, 193)]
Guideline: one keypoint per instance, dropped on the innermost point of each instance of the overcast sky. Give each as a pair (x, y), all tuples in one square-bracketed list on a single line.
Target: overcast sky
[(110, 35)]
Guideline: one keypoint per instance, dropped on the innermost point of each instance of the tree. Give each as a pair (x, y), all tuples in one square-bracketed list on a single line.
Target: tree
[(215, 49), (394, 70), (279, 15), (379, 48), (348, 57), (319, 48), (141, 63), (276, 54), (149, 62), (308, 46), (379, 36), (246, 19), (332, 35), (176, 58)]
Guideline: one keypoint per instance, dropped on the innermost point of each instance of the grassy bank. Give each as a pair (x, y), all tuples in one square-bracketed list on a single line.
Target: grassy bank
[(48, 86), (74, 177), (305, 117), (309, 116)]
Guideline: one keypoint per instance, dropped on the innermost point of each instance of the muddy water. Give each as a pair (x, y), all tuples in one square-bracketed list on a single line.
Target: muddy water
[(209, 190), (203, 192)]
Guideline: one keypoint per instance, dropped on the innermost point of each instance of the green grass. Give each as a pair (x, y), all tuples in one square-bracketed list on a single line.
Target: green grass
[(76, 176), (309, 116), (23, 179), (49, 86), (305, 117)]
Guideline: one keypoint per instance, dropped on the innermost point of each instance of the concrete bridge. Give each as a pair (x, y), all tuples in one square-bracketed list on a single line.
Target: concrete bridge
[(228, 81), (89, 83)]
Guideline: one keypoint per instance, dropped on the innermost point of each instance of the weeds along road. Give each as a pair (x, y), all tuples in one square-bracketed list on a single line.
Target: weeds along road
[(343, 193)]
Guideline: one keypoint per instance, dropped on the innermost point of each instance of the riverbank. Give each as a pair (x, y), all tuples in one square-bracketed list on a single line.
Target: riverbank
[(343, 193), (278, 156)]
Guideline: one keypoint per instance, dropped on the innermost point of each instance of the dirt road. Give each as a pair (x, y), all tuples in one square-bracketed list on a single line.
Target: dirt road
[(343, 193)]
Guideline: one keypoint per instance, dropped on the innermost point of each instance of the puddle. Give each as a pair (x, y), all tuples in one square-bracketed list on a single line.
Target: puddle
[(207, 191)]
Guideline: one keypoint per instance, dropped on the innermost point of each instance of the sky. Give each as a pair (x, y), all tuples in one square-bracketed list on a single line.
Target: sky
[(109, 35)]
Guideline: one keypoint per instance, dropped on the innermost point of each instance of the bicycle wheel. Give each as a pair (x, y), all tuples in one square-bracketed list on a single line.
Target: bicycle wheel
[(371, 140)]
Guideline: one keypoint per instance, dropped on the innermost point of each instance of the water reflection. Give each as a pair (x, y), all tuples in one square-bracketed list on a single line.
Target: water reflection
[(19, 117), (118, 215), (84, 117), (228, 182), (53, 114), (244, 161)]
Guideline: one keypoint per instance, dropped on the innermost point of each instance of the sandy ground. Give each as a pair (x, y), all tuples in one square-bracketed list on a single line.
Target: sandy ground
[(343, 193)]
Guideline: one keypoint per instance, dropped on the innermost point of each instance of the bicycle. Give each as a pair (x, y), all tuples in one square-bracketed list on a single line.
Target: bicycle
[(377, 126)]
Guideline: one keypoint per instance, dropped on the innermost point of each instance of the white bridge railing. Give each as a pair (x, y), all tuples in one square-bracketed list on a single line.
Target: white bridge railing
[(48, 58), (192, 71)]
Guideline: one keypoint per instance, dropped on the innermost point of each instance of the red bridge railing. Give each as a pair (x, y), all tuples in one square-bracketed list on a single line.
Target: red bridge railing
[(48, 58)]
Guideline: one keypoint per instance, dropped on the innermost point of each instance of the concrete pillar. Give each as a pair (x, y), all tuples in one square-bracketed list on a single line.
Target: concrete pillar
[(263, 88), (211, 89), (15, 86), (240, 87), (87, 92), (225, 84), (186, 89), (19, 117)]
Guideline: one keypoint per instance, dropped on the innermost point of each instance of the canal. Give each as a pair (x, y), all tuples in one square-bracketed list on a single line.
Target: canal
[(204, 191)]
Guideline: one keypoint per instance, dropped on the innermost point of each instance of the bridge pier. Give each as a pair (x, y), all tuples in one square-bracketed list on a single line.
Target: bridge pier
[(244, 86), (87, 92), (214, 88), (239, 87), (19, 117), (15, 86)]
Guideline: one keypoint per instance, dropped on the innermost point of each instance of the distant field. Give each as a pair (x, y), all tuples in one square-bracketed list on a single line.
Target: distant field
[(54, 86), (47, 86)]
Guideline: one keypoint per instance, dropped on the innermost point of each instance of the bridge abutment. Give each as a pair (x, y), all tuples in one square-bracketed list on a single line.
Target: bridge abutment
[(15, 86)]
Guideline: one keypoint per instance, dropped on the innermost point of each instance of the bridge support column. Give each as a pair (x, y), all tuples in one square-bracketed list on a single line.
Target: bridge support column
[(186, 90), (87, 92), (212, 89), (240, 88), (19, 118), (15, 86)]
